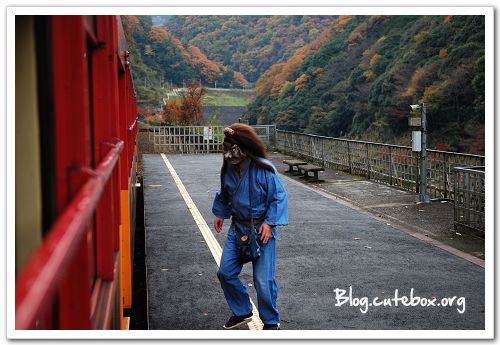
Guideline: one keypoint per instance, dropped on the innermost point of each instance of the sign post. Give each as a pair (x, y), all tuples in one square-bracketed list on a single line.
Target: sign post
[(419, 144)]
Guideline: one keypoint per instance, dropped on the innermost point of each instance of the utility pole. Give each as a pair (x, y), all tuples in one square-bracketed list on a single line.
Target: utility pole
[(422, 137), (423, 197)]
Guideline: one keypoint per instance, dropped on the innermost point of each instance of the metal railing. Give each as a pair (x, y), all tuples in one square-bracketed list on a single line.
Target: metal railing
[(267, 133), (390, 164), (469, 197), (198, 139)]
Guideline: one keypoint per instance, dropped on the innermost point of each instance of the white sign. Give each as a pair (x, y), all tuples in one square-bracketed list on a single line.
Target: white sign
[(207, 133), (416, 141)]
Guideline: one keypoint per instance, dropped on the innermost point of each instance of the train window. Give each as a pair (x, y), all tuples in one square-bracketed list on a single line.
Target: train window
[(46, 120)]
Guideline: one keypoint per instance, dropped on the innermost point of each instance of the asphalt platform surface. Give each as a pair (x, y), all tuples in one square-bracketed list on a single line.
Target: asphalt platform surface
[(432, 221), (327, 247)]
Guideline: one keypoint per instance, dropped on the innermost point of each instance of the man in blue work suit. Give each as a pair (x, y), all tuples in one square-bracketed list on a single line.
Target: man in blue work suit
[(244, 150)]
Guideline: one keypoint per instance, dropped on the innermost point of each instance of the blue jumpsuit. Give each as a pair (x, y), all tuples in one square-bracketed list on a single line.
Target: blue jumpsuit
[(270, 198)]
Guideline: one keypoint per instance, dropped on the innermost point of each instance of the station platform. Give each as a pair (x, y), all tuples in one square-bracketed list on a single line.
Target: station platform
[(327, 248)]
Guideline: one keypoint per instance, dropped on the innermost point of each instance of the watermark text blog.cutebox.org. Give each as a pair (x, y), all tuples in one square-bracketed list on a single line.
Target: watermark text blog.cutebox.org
[(345, 298)]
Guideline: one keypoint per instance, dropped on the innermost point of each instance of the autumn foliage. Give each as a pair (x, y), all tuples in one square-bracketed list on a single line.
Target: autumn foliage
[(172, 111), (240, 80), (186, 111), (248, 44), (158, 34), (275, 78), (365, 71), (209, 68), (159, 57)]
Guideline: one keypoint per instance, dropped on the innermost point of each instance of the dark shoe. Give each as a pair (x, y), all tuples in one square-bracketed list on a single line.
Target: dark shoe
[(235, 321), (271, 327)]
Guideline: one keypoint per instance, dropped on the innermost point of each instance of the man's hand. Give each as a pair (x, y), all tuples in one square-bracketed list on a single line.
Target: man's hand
[(265, 233), (218, 224)]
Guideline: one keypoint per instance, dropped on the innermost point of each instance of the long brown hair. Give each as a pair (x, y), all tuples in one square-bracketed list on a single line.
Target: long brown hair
[(249, 142)]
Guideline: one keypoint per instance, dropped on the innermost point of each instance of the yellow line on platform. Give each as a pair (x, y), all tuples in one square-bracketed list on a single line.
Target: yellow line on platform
[(209, 237)]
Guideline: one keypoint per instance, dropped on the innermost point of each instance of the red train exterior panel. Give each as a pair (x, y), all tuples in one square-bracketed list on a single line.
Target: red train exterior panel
[(72, 281)]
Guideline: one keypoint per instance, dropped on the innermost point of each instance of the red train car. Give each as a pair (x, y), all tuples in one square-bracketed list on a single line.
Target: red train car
[(75, 173)]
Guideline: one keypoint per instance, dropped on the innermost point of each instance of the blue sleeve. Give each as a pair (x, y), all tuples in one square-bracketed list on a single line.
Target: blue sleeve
[(277, 200), (220, 208)]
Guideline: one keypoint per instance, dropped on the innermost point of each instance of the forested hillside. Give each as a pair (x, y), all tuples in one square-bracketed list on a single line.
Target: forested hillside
[(248, 44), (160, 58), (358, 78)]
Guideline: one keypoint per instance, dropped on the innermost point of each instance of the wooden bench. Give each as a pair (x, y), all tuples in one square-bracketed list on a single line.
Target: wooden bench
[(311, 168), (293, 163)]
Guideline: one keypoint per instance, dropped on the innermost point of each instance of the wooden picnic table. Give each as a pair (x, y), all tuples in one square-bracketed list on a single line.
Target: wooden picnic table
[(293, 163), (311, 168)]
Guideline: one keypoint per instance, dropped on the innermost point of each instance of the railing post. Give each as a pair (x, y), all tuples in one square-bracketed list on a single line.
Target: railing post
[(456, 199), (323, 151), (274, 136), (284, 142), (349, 157), (289, 143), (467, 196), (311, 148), (367, 162), (445, 175), (390, 165)]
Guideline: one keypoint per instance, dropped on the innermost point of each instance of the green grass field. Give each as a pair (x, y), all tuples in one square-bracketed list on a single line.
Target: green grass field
[(226, 98), (219, 97)]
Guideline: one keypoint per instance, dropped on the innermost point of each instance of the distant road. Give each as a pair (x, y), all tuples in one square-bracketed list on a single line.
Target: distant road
[(176, 91), (237, 90)]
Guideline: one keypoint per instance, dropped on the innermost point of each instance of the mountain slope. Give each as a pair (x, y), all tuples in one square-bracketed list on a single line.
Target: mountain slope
[(157, 55), (248, 44), (359, 78)]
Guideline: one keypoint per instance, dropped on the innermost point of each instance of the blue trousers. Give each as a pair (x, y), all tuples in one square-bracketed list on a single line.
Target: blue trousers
[(263, 279)]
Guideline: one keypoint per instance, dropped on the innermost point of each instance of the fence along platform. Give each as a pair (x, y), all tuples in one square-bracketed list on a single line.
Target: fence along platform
[(390, 164), (469, 198), (394, 165), (199, 139)]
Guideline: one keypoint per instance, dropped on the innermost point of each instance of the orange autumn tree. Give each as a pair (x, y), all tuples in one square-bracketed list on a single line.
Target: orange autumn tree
[(186, 111), (191, 108), (209, 68), (239, 78), (172, 112), (158, 34)]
